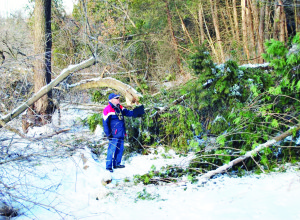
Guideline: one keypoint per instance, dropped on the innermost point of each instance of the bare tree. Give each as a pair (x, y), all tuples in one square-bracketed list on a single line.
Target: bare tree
[(174, 41), (213, 7), (279, 22), (201, 23), (297, 14), (244, 27), (42, 109), (236, 23), (256, 22)]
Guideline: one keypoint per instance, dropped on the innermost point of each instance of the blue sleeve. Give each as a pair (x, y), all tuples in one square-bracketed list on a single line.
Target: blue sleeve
[(127, 112), (106, 126)]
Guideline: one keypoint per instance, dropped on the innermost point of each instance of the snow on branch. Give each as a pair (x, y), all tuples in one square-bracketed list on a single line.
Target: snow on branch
[(131, 95), (248, 154)]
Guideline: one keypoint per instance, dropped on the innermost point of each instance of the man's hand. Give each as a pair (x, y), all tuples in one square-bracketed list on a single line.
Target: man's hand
[(138, 111)]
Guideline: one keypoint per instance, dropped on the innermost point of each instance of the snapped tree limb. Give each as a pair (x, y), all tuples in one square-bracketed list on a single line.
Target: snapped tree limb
[(131, 95), (66, 72), (222, 169)]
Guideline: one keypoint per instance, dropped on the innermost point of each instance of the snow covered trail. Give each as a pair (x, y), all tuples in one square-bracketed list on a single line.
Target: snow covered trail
[(81, 195), (72, 186)]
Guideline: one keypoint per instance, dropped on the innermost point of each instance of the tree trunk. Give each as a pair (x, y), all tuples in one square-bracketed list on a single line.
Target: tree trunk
[(223, 13), (256, 22), (297, 16), (174, 41), (277, 17), (201, 24), (42, 65), (44, 90), (260, 147), (267, 21), (283, 31), (236, 23), (244, 28), (250, 29), (228, 13), (184, 27), (261, 32), (210, 41), (213, 7)]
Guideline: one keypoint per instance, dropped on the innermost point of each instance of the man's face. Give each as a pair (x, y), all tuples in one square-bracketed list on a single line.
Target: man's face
[(115, 101)]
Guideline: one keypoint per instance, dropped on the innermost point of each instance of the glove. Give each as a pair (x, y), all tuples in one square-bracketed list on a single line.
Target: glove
[(138, 111)]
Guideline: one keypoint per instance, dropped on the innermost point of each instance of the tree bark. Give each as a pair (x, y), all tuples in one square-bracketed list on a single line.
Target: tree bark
[(244, 28), (297, 16), (228, 13), (174, 41), (283, 32), (236, 23), (277, 17), (184, 27), (42, 64), (256, 22), (261, 31), (267, 21), (201, 24), (269, 143), (213, 7), (250, 29)]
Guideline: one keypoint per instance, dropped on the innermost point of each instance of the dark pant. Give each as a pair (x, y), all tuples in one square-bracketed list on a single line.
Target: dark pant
[(114, 152)]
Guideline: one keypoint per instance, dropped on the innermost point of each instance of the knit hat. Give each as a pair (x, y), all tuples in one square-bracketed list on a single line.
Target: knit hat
[(113, 96)]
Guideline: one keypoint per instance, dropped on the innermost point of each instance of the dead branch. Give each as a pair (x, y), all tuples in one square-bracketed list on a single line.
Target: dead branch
[(269, 143), (3, 124), (49, 135)]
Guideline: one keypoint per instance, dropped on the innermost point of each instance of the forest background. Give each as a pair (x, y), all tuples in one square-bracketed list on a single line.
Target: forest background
[(187, 60)]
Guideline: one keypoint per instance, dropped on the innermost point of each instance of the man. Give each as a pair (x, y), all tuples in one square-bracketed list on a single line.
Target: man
[(114, 129)]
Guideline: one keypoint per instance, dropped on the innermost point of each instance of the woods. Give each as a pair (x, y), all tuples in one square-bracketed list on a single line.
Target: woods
[(219, 79)]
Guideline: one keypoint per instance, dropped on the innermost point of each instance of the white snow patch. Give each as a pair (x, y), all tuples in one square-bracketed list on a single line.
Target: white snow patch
[(73, 184)]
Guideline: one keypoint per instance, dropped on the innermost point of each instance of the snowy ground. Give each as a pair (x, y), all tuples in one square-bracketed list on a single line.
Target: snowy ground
[(72, 192)]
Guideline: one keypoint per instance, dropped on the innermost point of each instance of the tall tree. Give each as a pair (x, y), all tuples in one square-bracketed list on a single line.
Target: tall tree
[(43, 108), (244, 28), (213, 7), (201, 23), (236, 23), (257, 23), (297, 15), (174, 41), (279, 22)]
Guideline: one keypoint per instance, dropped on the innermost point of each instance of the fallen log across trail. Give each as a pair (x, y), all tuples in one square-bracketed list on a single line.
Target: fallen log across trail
[(205, 177)]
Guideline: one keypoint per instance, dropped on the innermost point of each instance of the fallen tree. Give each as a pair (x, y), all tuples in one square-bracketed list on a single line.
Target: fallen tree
[(225, 167), (131, 95), (66, 72)]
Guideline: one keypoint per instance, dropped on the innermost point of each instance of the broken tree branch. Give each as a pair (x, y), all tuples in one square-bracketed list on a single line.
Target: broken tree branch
[(66, 72), (269, 143), (131, 95)]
